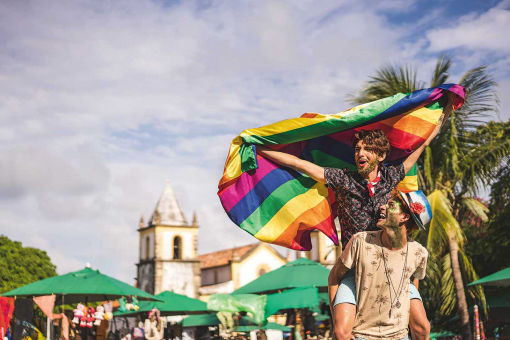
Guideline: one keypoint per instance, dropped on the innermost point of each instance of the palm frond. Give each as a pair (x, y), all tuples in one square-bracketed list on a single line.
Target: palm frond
[(487, 149), (443, 224), (448, 293), (482, 101), (389, 80), (440, 75), (477, 208)]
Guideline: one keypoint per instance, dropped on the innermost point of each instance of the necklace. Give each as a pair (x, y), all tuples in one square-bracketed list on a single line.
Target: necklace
[(394, 302)]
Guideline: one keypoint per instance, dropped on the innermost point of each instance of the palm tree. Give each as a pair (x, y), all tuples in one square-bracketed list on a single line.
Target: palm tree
[(462, 157)]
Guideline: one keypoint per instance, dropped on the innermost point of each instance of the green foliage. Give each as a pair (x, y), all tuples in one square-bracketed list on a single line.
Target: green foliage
[(388, 81), (22, 265)]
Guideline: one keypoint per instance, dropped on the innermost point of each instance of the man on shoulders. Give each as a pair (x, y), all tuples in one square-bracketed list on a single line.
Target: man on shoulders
[(384, 261)]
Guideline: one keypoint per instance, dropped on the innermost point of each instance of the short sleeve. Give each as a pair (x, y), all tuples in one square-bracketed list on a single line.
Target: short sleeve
[(421, 263), (350, 255), (395, 173), (335, 177)]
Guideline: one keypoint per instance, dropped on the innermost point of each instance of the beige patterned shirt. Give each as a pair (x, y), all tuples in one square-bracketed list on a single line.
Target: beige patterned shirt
[(382, 291)]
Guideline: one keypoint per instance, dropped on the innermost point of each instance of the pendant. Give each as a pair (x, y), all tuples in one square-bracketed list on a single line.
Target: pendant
[(397, 304)]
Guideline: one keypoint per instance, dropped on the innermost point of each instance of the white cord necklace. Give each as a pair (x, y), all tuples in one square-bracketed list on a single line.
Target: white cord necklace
[(394, 302)]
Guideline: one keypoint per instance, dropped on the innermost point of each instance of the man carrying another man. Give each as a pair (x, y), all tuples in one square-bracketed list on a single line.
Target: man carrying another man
[(360, 194)]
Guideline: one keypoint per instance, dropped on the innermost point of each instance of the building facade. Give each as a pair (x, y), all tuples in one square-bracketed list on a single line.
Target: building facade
[(168, 250), (224, 271)]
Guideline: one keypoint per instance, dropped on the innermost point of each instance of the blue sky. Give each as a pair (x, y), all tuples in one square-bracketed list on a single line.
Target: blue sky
[(101, 102)]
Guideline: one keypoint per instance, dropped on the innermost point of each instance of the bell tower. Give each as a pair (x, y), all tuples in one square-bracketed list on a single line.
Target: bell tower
[(168, 249)]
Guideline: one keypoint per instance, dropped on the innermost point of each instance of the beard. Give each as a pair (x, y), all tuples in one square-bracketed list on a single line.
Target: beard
[(369, 168)]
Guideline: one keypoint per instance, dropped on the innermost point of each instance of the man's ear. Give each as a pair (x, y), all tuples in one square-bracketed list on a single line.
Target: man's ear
[(405, 217), (382, 157)]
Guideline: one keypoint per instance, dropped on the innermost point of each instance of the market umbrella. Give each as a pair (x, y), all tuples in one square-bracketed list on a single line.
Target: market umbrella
[(498, 279), (443, 334), (294, 298), (171, 304), (498, 299), (84, 285), (299, 273), (200, 320), (269, 325)]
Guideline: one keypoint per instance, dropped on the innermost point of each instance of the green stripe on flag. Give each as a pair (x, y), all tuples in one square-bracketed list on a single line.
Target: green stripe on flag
[(274, 202), (412, 171), (325, 160)]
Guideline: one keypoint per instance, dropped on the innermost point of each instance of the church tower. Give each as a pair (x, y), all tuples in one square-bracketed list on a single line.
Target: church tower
[(168, 249)]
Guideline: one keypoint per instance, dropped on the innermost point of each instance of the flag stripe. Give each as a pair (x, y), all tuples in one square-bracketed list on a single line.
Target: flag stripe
[(294, 207), (261, 190), (273, 203), (234, 193), (314, 216)]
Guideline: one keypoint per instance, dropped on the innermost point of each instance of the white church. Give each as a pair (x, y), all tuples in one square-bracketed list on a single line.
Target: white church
[(168, 257)]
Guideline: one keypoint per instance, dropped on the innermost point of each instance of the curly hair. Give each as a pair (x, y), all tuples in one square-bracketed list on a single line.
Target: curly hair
[(375, 139)]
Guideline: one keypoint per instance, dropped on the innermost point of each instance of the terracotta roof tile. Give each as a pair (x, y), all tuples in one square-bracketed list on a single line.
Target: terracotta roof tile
[(223, 257)]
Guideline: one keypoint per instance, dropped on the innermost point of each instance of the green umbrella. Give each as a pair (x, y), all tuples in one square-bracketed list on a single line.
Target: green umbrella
[(498, 279), (435, 335), (299, 273), (324, 297), (84, 285), (499, 299), (200, 320), (172, 304), (269, 325), (293, 298)]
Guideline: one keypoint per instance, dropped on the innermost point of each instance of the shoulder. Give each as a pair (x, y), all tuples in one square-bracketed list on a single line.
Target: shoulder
[(334, 176), (393, 171), (335, 171), (418, 250), (367, 236), (392, 168)]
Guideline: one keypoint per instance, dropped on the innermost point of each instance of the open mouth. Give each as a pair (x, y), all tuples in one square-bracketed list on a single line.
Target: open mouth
[(362, 162), (382, 216)]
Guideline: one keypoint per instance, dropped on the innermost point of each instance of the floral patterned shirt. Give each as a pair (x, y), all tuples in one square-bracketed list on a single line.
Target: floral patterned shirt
[(357, 211)]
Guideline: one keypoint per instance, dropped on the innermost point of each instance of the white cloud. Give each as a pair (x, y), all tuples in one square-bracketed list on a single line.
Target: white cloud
[(475, 32), (101, 102)]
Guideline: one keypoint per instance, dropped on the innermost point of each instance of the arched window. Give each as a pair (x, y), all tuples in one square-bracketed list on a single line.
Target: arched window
[(147, 247), (262, 269), (177, 248)]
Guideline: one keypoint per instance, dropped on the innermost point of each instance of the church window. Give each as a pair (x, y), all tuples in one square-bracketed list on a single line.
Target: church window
[(147, 247), (262, 269), (177, 248)]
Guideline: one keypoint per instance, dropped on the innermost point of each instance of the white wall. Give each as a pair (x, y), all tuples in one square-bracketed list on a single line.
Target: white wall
[(248, 268), (220, 288), (178, 278)]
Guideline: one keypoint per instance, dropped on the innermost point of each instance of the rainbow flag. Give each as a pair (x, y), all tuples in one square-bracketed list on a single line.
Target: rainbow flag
[(281, 206)]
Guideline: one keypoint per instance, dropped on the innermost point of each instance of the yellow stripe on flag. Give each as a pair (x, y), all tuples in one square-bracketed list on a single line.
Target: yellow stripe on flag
[(292, 209)]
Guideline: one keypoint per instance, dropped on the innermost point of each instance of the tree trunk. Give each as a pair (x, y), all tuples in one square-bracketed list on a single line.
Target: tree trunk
[(459, 288)]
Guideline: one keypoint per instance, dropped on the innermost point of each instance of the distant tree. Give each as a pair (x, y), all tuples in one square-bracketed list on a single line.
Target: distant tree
[(22, 265)]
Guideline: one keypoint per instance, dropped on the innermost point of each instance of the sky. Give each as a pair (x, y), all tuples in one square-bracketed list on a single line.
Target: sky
[(102, 102)]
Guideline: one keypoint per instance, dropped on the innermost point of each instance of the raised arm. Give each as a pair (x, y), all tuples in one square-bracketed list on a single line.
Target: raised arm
[(413, 158), (296, 163)]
